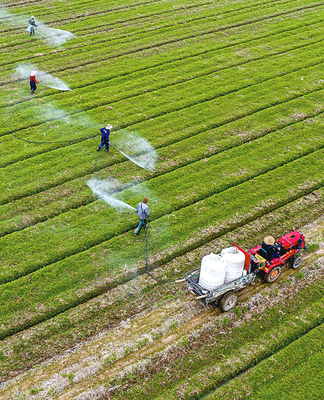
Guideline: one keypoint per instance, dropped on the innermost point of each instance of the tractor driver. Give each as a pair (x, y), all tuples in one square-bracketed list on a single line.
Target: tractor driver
[(269, 250)]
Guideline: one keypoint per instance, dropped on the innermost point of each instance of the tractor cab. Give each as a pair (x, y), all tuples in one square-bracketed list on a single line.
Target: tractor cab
[(271, 255), (268, 250)]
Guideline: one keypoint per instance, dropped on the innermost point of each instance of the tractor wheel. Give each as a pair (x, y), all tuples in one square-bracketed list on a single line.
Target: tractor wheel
[(228, 301), (296, 262), (273, 275)]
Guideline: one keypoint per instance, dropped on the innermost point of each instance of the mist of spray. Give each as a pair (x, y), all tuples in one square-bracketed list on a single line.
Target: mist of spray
[(135, 148), (76, 120), (105, 190), (55, 124), (51, 36), (24, 70), (7, 18)]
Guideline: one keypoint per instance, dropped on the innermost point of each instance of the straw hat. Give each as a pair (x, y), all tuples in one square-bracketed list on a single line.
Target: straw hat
[(108, 126), (269, 240)]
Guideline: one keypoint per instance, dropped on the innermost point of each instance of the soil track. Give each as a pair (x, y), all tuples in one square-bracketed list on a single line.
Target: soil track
[(81, 323), (154, 331)]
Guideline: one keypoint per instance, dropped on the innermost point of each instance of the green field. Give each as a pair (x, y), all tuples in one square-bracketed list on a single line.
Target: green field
[(229, 94)]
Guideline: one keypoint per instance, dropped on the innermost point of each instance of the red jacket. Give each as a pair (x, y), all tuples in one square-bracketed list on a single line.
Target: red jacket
[(33, 79)]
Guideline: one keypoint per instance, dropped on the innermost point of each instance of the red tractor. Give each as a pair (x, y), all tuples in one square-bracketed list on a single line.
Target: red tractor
[(266, 260), (271, 256)]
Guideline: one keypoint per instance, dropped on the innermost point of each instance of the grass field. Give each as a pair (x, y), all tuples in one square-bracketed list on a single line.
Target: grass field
[(229, 94)]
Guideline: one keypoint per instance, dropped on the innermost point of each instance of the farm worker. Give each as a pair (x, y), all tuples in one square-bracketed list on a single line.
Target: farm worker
[(105, 137), (30, 27), (33, 82), (269, 250), (143, 213)]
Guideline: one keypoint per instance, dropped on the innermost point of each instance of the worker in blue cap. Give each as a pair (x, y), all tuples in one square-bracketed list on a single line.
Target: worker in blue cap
[(105, 132), (143, 213)]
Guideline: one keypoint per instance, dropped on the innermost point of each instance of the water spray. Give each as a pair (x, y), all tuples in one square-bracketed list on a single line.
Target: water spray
[(53, 113), (24, 71), (51, 36), (125, 155), (137, 149), (104, 190)]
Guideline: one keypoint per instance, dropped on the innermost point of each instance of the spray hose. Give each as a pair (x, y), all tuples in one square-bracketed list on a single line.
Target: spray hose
[(99, 157), (147, 268), (98, 160)]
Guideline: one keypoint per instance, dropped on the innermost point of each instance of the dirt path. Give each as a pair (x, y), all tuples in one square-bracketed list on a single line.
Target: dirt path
[(114, 353)]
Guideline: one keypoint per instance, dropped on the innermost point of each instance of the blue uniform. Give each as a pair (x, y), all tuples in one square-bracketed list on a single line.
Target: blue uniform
[(104, 138)]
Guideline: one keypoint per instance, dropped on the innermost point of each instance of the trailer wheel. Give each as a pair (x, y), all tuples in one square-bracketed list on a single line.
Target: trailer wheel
[(273, 275), (228, 301), (296, 262)]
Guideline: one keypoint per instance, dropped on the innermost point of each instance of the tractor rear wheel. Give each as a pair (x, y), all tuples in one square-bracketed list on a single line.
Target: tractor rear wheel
[(273, 275), (228, 301), (296, 262)]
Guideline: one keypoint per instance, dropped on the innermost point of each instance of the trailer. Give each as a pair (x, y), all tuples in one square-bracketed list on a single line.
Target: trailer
[(265, 260)]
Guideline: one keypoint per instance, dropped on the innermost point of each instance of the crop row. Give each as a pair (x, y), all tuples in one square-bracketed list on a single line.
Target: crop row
[(141, 18), (221, 58), (75, 279), (104, 311), (286, 331), (73, 231), (280, 372), (232, 55), (140, 43), (127, 29), (239, 77), (72, 194), (185, 123), (100, 21), (140, 89), (78, 11), (27, 348), (218, 60), (137, 83)]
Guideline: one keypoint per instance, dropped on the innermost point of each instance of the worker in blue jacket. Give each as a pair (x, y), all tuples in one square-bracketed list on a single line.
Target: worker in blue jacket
[(143, 213), (105, 138)]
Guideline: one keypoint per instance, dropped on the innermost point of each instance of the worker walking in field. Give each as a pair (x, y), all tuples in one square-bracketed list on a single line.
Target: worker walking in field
[(33, 82), (105, 138), (31, 26), (143, 213)]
